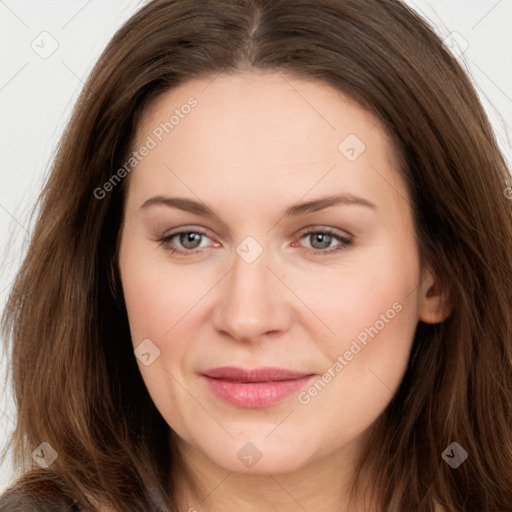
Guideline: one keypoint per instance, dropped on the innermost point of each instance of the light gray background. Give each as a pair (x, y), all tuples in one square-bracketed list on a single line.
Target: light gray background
[(37, 94)]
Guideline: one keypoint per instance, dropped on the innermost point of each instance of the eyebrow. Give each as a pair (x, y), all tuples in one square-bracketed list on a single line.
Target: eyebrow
[(201, 209)]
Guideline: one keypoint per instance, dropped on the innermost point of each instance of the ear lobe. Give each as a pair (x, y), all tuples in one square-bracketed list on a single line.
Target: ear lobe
[(434, 300)]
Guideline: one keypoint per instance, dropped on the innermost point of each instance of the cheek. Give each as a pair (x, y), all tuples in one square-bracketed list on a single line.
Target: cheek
[(373, 311), (158, 294), (160, 301), (369, 292), (370, 308)]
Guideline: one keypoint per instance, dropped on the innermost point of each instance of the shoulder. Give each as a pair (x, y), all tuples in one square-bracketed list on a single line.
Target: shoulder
[(31, 494)]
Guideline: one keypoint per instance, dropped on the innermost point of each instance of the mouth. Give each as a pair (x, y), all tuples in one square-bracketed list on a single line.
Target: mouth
[(254, 388)]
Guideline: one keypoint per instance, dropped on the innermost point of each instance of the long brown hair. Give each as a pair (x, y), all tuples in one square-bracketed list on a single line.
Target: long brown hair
[(76, 382)]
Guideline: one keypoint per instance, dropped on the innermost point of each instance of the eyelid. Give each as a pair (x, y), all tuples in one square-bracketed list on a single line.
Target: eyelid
[(315, 228), (187, 229)]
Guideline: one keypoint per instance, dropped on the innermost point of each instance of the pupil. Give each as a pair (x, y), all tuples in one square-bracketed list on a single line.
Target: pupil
[(188, 239), (324, 239)]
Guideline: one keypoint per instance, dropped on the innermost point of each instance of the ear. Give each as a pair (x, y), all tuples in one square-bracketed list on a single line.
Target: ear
[(434, 299)]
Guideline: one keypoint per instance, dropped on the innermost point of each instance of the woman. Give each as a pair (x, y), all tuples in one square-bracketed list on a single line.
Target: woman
[(271, 271)]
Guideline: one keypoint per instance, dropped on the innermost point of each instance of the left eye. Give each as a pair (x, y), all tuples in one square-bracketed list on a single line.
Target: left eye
[(324, 237)]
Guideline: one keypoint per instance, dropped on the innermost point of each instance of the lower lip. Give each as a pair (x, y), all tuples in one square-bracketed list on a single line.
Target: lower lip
[(255, 394)]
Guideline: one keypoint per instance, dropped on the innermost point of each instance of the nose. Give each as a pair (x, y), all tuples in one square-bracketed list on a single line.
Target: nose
[(253, 302)]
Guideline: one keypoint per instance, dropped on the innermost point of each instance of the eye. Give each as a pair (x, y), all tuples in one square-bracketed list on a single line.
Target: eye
[(183, 242), (322, 239)]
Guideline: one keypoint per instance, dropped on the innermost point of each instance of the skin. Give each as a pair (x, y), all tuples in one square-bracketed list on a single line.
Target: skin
[(255, 144)]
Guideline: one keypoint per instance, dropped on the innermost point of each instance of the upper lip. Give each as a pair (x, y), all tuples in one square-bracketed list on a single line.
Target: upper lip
[(265, 374)]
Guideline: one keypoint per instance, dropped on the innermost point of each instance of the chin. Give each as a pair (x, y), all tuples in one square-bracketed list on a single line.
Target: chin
[(258, 455)]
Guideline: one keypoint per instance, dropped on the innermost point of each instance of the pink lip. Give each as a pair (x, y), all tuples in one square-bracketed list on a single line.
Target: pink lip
[(260, 387)]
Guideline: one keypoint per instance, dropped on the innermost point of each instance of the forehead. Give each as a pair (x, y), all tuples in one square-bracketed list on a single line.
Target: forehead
[(259, 130)]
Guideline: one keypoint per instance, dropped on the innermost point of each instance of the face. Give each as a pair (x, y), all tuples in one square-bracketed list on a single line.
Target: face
[(270, 269)]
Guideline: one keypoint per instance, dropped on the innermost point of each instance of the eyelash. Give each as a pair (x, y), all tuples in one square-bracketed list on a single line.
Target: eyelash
[(346, 243)]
